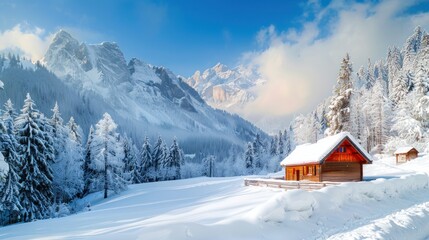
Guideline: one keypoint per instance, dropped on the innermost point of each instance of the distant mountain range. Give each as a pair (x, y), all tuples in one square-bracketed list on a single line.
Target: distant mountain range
[(144, 99), (225, 88)]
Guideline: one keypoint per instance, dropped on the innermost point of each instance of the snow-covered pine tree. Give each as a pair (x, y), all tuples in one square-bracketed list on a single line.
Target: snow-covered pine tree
[(147, 171), (273, 145), (315, 127), (107, 154), (356, 114), (9, 113), (248, 159), (158, 157), (411, 47), (369, 76), (172, 163), (405, 125), (73, 179), (130, 160), (258, 152), (87, 171), (281, 146), (164, 158), (360, 80), (35, 174), (287, 143), (399, 89), (379, 110), (59, 137), (421, 80), (323, 122), (75, 131), (394, 66), (10, 206), (208, 166), (339, 108)]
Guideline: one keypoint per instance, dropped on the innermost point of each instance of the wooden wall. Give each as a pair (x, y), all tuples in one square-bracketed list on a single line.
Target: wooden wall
[(306, 172), (341, 171)]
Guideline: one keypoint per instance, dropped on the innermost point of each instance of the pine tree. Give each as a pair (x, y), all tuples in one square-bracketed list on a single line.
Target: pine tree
[(287, 143), (411, 48), (405, 125), (379, 111), (147, 170), (248, 159), (399, 89), (35, 174), (369, 76), (172, 163), (394, 65), (158, 157), (59, 137), (130, 160), (421, 81), (339, 108), (9, 114), (273, 146), (75, 131), (281, 146), (88, 174), (208, 166), (258, 151), (73, 179), (10, 205), (107, 154)]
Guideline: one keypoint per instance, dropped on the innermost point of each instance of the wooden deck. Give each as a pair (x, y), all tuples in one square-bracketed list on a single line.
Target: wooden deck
[(288, 185)]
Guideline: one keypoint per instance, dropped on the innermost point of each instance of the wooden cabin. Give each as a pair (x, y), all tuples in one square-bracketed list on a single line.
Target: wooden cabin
[(337, 158), (405, 154)]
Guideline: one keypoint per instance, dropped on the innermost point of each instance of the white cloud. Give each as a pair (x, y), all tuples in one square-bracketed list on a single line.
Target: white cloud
[(30, 42), (301, 66)]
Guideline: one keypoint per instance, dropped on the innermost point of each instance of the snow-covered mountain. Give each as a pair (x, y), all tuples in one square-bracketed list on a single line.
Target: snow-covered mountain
[(143, 99), (225, 88)]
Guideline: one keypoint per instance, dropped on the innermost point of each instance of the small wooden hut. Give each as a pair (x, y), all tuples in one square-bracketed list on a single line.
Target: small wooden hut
[(405, 154), (337, 158)]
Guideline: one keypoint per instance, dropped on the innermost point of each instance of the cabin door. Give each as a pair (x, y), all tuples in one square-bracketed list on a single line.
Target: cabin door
[(297, 175)]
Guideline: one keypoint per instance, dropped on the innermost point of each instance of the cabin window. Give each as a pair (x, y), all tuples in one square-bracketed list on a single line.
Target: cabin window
[(306, 170), (314, 170), (341, 149)]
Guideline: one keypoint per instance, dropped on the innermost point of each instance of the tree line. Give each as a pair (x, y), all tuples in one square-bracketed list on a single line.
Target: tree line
[(49, 165)]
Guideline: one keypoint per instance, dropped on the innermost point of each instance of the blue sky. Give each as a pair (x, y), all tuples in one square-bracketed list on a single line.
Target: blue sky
[(296, 46), (184, 35)]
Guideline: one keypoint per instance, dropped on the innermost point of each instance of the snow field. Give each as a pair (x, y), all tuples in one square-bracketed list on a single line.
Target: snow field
[(395, 207)]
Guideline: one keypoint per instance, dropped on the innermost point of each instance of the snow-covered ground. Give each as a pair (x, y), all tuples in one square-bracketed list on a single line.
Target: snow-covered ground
[(393, 207)]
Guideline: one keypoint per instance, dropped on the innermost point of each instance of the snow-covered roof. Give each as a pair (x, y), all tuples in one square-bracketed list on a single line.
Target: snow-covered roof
[(403, 150), (317, 152)]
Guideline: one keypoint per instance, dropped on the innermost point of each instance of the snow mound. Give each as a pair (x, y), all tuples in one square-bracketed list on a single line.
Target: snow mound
[(296, 205), (284, 206)]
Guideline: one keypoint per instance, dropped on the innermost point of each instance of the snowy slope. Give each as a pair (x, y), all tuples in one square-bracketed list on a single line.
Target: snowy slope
[(394, 207), (224, 88)]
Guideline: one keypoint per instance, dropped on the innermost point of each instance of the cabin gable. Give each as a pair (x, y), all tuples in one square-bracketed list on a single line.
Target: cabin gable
[(345, 152)]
